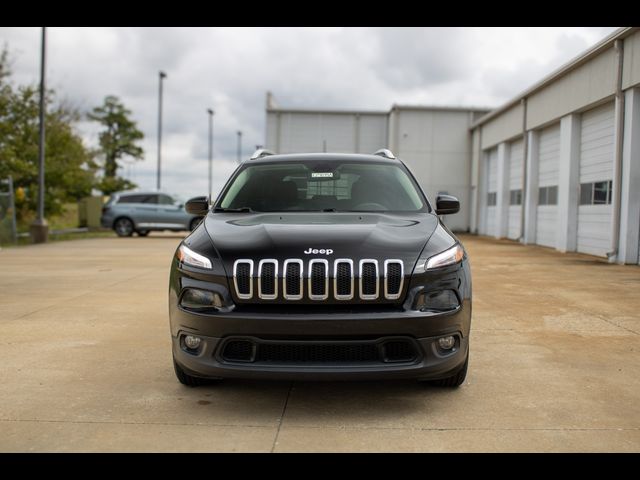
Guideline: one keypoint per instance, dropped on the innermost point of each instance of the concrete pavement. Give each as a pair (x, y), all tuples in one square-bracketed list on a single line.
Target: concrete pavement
[(85, 364)]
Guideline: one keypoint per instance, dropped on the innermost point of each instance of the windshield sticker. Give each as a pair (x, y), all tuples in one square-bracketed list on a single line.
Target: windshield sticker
[(321, 174)]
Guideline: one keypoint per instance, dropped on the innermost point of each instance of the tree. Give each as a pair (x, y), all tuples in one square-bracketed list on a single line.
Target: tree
[(117, 141), (69, 165)]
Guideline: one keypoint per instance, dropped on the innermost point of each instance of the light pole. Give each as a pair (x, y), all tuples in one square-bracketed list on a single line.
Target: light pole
[(239, 146), (162, 76), (39, 229), (211, 113)]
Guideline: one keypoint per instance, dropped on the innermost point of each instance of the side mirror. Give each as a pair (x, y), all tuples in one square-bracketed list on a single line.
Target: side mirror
[(447, 205), (197, 206)]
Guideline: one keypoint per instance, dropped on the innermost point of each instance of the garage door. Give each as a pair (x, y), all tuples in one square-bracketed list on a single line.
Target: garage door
[(548, 171), (492, 192), (596, 172), (516, 162)]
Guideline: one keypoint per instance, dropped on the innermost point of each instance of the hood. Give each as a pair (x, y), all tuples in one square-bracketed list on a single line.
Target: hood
[(340, 235)]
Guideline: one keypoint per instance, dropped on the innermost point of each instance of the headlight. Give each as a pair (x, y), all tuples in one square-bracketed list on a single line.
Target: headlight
[(189, 257), (442, 259)]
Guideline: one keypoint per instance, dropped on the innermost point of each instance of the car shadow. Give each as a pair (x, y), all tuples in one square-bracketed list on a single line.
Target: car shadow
[(323, 402)]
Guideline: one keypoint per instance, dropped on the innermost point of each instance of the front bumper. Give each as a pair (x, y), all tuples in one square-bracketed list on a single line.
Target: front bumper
[(430, 365), (423, 330)]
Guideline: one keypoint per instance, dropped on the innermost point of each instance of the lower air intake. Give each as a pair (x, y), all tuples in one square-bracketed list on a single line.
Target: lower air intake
[(317, 353)]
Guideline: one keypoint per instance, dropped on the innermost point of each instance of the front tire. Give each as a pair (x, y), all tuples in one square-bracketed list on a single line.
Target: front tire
[(123, 227), (187, 379), (453, 381)]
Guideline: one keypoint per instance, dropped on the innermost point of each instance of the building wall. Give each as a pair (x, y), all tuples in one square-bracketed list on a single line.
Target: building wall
[(437, 147), (503, 127), (573, 117), (349, 132), (434, 143), (586, 85), (631, 66)]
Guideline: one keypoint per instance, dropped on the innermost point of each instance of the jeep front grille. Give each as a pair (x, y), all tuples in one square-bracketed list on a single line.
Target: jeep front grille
[(337, 281), (292, 279), (369, 285), (267, 279), (343, 280), (243, 278)]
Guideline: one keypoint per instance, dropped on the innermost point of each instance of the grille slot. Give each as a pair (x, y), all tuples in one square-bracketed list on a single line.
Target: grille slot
[(243, 278), (268, 279), (399, 351), (239, 351), (318, 279), (369, 286), (393, 279), (343, 279), (292, 281)]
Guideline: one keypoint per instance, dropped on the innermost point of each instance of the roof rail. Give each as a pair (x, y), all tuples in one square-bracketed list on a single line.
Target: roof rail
[(384, 152), (261, 152)]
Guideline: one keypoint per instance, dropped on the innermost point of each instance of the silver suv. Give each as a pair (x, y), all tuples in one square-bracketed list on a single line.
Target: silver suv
[(142, 212)]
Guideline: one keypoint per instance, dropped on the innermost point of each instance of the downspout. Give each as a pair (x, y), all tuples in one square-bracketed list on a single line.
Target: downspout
[(617, 165), (525, 153), (480, 166), (471, 147)]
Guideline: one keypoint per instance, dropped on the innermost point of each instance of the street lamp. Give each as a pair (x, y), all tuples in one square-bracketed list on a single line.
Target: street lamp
[(162, 76), (39, 229), (239, 146), (211, 113)]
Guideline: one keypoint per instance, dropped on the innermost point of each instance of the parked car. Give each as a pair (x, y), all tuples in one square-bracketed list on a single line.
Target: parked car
[(142, 212), (321, 267)]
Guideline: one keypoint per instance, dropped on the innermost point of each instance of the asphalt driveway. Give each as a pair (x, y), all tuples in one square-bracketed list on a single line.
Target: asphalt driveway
[(85, 364)]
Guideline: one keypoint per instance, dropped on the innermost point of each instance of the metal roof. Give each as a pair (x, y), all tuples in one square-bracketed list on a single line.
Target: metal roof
[(379, 112), (330, 111), (440, 108)]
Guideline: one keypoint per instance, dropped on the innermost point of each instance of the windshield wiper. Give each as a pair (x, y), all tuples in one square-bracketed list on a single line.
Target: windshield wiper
[(241, 209)]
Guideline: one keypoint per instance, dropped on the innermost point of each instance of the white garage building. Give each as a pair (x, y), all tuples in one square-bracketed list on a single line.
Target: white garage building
[(433, 141), (558, 166)]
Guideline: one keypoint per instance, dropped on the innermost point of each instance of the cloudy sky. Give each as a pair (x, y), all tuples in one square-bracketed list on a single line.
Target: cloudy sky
[(230, 70)]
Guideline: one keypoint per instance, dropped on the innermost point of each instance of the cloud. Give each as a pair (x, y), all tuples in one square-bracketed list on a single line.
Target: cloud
[(230, 70)]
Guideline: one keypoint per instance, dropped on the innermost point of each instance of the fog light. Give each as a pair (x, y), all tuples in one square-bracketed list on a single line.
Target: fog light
[(447, 343), (191, 342), (196, 298), (440, 301)]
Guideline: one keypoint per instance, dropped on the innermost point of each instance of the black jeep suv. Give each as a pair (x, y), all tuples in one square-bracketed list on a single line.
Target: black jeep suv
[(321, 267)]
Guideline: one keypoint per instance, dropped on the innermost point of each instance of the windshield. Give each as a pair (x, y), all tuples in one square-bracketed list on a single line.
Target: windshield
[(323, 186)]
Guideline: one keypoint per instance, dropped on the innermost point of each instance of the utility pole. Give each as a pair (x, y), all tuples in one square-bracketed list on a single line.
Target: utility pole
[(162, 75), (239, 146), (211, 113), (39, 229)]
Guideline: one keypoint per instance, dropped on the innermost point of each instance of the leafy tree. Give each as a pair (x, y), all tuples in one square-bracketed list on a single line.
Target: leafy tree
[(5, 68), (69, 165), (117, 141), (108, 185)]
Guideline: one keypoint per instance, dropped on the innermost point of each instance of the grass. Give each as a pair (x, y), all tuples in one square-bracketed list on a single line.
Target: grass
[(67, 219)]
